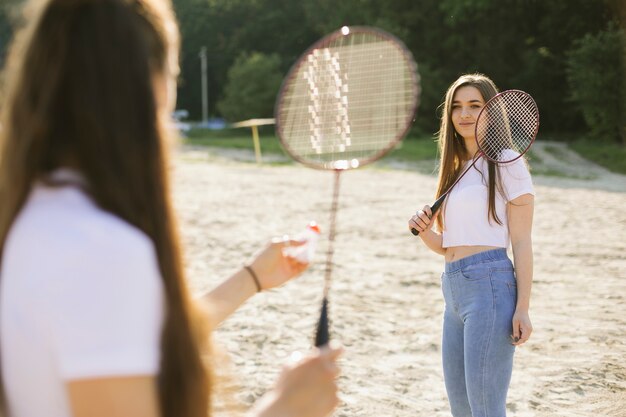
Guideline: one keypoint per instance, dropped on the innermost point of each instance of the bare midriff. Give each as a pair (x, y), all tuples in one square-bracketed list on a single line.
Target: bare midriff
[(455, 253)]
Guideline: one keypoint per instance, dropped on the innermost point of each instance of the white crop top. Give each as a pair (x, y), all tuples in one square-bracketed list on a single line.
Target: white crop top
[(466, 207), (81, 297)]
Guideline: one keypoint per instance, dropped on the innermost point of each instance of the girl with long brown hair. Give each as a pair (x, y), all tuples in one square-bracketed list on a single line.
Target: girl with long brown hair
[(486, 295), (95, 315)]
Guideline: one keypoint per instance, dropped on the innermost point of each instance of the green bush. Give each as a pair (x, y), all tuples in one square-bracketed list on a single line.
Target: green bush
[(594, 74), (253, 82)]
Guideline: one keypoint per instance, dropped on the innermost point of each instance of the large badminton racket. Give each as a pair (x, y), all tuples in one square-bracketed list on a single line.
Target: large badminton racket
[(505, 129), (346, 102)]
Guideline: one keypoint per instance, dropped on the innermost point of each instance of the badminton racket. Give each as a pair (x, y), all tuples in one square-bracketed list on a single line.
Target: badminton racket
[(346, 102), (506, 127)]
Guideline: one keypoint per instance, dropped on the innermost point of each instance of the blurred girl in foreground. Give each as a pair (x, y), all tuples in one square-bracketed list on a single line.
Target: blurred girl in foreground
[(96, 318)]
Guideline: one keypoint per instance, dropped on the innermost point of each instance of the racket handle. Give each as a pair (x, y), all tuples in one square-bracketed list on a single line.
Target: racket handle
[(433, 209), (322, 335)]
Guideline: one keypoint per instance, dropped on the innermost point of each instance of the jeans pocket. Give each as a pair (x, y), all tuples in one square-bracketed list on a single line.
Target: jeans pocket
[(506, 276), (476, 272), (512, 288)]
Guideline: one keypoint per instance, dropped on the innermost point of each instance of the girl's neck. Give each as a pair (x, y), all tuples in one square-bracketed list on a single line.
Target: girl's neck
[(471, 146)]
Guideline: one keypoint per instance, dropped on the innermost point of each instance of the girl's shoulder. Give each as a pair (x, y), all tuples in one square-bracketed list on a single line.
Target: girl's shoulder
[(516, 169), (64, 229)]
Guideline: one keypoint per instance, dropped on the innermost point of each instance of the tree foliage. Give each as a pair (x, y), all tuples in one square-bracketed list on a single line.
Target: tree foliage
[(8, 12), (250, 92), (229, 28), (594, 74), (519, 43)]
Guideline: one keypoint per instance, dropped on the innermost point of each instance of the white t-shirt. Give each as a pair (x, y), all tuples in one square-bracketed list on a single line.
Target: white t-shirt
[(80, 297), (466, 207)]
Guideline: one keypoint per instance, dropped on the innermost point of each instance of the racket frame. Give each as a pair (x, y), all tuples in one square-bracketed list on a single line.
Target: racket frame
[(322, 334), (326, 41), (480, 114)]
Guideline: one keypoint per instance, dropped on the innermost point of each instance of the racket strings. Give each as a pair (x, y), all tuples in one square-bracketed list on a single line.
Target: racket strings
[(507, 126), (348, 100)]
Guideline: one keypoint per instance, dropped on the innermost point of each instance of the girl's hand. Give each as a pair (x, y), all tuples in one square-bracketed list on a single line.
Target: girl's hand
[(421, 221), (522, 328), (273, 267), (305, 388)]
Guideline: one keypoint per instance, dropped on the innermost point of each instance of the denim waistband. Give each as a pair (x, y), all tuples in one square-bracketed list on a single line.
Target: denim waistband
[(486, 256)]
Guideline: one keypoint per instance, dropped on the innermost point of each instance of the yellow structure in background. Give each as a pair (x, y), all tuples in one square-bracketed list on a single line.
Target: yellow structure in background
[(254, 125)]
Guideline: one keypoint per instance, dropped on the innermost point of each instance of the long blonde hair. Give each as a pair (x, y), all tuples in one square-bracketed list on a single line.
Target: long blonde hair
[(79, 93), (452, 150)]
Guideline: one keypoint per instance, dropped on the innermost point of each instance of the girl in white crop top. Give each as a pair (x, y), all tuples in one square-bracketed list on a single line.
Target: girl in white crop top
[(489, 209)]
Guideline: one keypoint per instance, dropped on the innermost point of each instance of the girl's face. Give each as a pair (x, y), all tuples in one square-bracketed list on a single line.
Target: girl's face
[(466, 104)]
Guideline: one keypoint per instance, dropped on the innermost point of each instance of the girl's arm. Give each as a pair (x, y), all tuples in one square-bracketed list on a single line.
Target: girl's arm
[(224, 299), (304, 389), (271, 268), (422, 222), (520, 214), (433, 241), (114, 397)]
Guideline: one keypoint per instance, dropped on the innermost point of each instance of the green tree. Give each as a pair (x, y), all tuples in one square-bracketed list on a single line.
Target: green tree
[(519, 43), (594, 75), (253, 82), (8, 14), (228, 28), (522, 44), (5, 35)]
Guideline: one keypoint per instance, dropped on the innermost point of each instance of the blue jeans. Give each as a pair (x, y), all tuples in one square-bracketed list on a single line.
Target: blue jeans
[(480, 293)]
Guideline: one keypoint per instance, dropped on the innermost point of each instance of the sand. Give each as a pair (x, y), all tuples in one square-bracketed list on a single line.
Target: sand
[(386, 301)]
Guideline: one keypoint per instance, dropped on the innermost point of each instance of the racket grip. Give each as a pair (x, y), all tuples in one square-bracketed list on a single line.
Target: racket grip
[(322, 334), (434, 208)]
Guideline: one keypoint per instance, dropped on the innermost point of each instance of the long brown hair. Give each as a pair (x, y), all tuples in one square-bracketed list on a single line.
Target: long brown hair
[(452, 148), (80, 94)]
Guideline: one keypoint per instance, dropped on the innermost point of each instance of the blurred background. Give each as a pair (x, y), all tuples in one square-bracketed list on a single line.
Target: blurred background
[(568, 54)]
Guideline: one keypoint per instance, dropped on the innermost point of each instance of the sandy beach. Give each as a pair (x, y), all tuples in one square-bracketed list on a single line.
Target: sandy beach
[(386, 301)]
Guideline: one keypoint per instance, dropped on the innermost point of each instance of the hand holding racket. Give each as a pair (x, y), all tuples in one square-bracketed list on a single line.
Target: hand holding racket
[(346, 102), (506, 127)]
